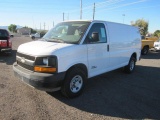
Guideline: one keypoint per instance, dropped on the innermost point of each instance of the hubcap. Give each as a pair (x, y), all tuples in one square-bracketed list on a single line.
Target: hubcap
[(76, 84), (132, 65), (145, 51)]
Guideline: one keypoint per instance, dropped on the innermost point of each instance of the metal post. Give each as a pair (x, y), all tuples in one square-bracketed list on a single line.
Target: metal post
[(93, 11), (80, 9), (63, 16), (44, 26)]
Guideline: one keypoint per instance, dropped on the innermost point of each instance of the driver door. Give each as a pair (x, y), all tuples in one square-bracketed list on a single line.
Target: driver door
[(97, 50)]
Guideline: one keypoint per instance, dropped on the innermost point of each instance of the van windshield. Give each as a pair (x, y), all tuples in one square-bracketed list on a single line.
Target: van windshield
[(67, 32)]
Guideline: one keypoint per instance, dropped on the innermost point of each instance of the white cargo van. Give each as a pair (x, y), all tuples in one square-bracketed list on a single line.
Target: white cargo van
[(73, 51)]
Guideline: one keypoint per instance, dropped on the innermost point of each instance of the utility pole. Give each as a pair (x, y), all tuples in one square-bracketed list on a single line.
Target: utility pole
[(63, 16), (68, 16), (53, 23), (40, 26), (93, 11), (44, 25), (80, 9)]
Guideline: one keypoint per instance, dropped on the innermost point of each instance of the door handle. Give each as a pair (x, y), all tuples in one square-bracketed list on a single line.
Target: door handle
[(107, 47)]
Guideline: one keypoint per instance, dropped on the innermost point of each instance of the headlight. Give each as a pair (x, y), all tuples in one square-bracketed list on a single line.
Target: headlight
[(46, 64), (45, 61)]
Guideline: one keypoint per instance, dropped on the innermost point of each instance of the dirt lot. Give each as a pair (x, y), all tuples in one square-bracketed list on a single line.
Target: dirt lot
[(114, 95)]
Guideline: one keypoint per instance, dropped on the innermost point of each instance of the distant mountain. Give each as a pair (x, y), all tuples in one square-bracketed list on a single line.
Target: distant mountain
[(18, 26), (6, 27)]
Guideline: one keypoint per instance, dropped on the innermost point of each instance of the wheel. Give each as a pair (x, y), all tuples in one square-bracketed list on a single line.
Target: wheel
[(33, 37), (145, 50), (74, 83), (131, 65), (11, 36)]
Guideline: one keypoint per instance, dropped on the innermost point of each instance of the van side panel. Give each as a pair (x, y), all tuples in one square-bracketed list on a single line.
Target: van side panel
[(70, 56), (124, 41)]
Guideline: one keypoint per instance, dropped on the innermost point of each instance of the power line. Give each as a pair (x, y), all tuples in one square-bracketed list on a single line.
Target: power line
[(104, 4), (122, 5), (97, 4)]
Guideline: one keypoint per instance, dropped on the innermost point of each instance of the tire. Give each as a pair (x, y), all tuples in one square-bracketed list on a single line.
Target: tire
[(145, 50), (131, 65), (33, 38), (74, 83)]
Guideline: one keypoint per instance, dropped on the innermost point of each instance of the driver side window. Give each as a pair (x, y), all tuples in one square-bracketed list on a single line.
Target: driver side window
[(96, 28)]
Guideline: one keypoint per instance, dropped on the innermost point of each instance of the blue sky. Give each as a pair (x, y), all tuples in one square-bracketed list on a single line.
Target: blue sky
[(34, 13)]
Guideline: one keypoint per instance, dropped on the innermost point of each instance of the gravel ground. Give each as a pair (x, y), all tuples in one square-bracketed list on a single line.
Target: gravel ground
[(114, 95)]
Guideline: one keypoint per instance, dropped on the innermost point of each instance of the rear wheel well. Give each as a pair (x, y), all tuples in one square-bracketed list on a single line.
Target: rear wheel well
[(135, 56), (80, 66)]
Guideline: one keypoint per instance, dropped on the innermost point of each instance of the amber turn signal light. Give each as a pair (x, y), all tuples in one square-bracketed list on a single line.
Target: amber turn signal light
[(44, 69)]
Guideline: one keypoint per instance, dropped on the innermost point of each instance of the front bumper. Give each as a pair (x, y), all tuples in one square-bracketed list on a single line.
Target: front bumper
[(41, 81)]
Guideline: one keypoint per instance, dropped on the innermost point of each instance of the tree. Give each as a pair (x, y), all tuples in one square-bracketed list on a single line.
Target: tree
[(142, 24), (12, 27), (157, 33), (33, 31)]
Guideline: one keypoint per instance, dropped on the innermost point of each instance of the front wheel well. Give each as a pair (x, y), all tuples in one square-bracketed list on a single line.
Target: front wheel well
[(80, 66)]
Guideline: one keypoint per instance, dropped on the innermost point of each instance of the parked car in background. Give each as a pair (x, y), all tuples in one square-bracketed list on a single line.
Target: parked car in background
[(147, 43), (157, 45), (37, 35), (11, 35), (5, 42)]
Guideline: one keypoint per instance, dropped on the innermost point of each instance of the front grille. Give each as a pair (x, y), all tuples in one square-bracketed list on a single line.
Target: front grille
[(25, 66), (32, 58)]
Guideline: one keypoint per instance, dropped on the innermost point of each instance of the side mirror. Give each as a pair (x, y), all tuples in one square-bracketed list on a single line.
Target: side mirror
[(95, 37)]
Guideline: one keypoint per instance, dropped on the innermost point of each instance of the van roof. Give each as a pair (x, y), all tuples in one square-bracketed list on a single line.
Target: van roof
[(91, 21), (84, 20), (97, 21)]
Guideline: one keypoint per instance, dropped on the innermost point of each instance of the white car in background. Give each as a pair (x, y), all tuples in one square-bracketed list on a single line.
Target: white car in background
[(157, 45), (36, 35)]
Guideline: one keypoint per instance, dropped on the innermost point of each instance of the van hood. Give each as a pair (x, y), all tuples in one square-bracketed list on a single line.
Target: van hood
[(41, 47)]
